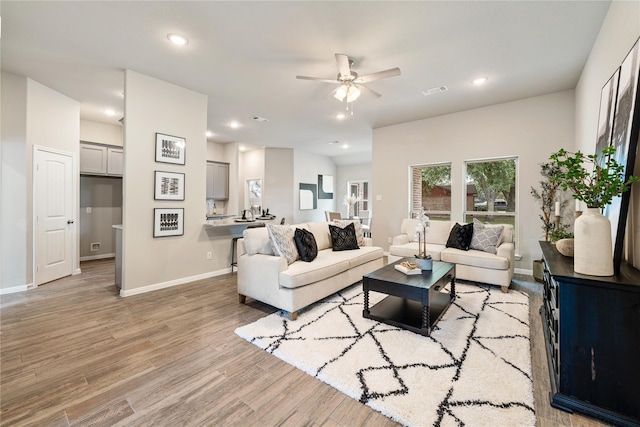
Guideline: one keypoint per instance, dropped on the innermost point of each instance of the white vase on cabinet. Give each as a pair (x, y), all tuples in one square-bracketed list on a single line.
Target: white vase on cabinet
[(593, 254)]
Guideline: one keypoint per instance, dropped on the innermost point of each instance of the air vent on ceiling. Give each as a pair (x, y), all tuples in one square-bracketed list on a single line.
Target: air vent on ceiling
[(434, 90), (260, 119)]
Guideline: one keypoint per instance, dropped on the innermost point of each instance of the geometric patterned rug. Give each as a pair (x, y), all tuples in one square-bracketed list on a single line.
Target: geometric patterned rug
[(474, 369)]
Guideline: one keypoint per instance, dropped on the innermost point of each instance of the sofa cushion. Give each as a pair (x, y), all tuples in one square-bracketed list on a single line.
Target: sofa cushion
[(411, 249), (356, 223), (460, 236), (281, 237), (320, 231), (364, 255), (438, 232), (343, 239), (474, 258), (256, 241), (326, 265), (306, 244)]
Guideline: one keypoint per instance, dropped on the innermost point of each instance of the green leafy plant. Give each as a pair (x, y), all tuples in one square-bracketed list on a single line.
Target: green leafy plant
[(597, 186), (560, 232), (548, 193)]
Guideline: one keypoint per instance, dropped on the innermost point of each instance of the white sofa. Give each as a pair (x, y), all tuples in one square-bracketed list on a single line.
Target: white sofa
[(268, 278), (473, 265)]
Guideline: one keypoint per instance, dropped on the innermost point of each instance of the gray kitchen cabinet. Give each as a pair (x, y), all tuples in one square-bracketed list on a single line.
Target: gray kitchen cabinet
[(97, 159), (217, 181)]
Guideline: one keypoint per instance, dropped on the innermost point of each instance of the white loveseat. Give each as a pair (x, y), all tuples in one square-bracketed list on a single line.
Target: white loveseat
[(473, 265), (268, 278)]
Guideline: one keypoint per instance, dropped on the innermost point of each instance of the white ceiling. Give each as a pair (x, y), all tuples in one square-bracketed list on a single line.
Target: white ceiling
[(245, 56)]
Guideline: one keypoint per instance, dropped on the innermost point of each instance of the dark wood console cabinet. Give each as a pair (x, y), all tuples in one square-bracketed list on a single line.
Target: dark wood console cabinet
[(592, 333)]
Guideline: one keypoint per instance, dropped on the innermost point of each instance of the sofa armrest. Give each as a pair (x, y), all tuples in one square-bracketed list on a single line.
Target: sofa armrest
[(508, 250), (401, 239), (259, 276)]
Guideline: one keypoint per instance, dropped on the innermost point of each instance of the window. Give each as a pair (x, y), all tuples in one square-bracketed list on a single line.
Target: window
[(491, 191), (431, 190), (359, 189)]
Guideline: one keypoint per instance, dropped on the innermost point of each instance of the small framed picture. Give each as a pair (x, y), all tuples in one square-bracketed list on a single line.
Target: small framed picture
[(170, 149), (168, 222), (168, 186)]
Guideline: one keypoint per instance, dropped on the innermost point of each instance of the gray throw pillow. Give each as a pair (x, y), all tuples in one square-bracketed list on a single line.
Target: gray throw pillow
[(281, 237), (485, 238)]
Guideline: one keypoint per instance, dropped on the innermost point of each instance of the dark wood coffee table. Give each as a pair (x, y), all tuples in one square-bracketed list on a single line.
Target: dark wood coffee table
[(415, 302)]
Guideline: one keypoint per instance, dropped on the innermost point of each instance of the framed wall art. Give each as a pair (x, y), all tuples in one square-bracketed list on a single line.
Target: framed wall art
[(168, 222), (308, 196), (626, 130), (170, 149), (325, 187), (168, 186), (608, 97)]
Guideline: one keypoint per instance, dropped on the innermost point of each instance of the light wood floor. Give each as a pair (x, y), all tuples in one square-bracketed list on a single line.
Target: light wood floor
[(75, 353)]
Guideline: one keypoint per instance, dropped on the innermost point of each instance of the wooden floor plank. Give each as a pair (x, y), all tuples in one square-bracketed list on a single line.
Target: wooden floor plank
[(76, 353)]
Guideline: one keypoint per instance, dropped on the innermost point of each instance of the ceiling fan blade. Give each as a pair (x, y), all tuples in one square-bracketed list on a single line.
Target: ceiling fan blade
[(317, 79), (343, 65), (369, 91), (392, 72)]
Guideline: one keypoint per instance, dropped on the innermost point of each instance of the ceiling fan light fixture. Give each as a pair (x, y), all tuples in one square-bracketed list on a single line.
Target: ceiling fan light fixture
[(353, 93), (341, 92)]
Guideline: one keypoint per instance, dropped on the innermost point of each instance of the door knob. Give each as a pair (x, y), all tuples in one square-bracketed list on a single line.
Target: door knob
[(70, 221)]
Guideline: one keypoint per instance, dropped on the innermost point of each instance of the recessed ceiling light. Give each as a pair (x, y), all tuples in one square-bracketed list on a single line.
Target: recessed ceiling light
[(109, 112), (340, 116), (345, 146), (208, 134), (241, 148), (177, 39), (234, 124), (479, 81)]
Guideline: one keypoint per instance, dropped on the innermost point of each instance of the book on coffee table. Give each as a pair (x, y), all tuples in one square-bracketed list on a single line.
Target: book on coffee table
[(406, 270)]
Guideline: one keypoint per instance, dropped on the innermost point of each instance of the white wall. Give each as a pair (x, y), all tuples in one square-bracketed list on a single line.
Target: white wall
[(531, 129), (100, 132), (346, 173), (149, 262), (279, 183), (215, 151), (620, 30), (14, 182), (306, 168)]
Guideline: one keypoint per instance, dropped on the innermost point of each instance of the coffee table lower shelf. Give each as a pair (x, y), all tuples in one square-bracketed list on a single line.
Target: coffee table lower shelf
[(408, 314)]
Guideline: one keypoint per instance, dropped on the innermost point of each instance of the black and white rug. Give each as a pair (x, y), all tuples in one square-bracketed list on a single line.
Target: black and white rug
[(474, 370)]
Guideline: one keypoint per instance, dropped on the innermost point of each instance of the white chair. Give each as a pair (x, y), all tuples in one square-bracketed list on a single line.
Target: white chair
[(365, 222)]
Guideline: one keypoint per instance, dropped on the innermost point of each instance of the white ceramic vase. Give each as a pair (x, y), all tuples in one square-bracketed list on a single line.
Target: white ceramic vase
[(592, 254)]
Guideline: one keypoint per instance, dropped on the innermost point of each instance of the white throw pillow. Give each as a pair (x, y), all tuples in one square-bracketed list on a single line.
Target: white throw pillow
[(282, 241), (256, 241)]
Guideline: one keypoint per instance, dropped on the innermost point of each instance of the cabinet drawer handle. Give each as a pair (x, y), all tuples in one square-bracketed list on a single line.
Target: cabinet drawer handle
[(436, 288)]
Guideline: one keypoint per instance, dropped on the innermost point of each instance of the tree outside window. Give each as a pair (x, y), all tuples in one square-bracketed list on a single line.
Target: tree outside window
[(491, 191), (431, 190)]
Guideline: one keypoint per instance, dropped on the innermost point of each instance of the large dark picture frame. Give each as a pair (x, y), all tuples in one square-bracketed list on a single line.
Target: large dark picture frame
[(608, 98), (626, 127)]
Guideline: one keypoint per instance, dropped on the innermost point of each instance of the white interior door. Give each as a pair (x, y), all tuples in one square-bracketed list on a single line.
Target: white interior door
[(54, 215)]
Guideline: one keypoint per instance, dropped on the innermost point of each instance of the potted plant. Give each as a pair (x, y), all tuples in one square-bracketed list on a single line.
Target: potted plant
[(595, 181), (423, 259)]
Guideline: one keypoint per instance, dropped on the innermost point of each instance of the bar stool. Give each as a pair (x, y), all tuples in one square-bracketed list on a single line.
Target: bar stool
[(234, 244)]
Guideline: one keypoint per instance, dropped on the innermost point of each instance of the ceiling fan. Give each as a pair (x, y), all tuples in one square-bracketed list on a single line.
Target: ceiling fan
[(350, 83)]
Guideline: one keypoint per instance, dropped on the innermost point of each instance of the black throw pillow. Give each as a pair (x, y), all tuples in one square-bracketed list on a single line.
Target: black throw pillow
[(306, 244), (460, 236), (343, 239)]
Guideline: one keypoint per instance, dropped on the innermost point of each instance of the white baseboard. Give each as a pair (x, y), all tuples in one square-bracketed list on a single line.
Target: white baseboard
[(92, 257), (14, 289), (78, 271), (170, 283), (523, 271)]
